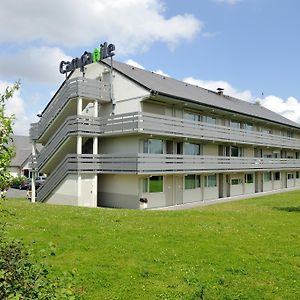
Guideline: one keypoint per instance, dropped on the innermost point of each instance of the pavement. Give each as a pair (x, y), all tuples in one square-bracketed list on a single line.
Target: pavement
[(16, 193)]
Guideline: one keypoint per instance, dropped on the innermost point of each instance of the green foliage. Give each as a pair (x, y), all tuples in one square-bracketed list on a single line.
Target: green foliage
[(246, 249), (18, 180), (7, 150)]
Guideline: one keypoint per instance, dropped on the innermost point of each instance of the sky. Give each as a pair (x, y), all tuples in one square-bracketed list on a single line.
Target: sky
[(250, 48)]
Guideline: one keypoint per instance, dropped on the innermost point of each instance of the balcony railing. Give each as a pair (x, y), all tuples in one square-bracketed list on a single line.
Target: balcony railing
[(139, 163), (75, 87)]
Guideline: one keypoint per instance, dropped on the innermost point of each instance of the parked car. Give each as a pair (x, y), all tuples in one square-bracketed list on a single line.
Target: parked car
[(39, 181), (25, 185)]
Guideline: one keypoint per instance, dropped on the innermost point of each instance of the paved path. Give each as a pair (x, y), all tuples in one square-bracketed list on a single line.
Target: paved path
[(16, 193)]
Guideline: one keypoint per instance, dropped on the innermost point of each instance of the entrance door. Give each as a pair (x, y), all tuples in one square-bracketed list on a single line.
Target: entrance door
[(221, 185), (178, 180)]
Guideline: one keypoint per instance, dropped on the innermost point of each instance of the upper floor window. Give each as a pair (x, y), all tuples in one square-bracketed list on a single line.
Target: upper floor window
[(266, 130), (210, 120), (153, 146), (191, 116), (236, 151), (290, 134), (248, 126), (235, 124), (191, 149)]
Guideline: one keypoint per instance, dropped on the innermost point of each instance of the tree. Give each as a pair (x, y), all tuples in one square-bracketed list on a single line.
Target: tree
[(7, 150)]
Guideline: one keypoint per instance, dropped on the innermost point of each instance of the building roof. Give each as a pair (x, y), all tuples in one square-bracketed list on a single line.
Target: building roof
[(22, 144), (167, 86)]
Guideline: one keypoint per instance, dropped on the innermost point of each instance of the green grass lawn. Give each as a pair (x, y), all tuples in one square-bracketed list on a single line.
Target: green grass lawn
[(247, 249)]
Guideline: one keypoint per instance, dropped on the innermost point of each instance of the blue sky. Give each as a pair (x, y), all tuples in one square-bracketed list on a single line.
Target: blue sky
[(248, 47)]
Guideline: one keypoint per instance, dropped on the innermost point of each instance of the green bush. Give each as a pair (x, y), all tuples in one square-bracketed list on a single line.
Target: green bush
[(17, 181)]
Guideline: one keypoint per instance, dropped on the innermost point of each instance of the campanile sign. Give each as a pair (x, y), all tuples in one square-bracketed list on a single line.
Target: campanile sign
[(104, 51)]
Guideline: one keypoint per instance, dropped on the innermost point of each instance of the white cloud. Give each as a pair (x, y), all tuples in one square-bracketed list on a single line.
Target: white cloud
[(16, 105), (133, 25), (161, 72), (228, 89), (289, 108), (33, 64), (133, 63)]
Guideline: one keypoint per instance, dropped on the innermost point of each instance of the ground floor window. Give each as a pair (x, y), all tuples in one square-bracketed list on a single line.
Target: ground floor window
[(267, 176), (297, 175), (290, 176), (236, 181), (192, 182), (210, 180), (249, 178), (153, 184), (277, 176)]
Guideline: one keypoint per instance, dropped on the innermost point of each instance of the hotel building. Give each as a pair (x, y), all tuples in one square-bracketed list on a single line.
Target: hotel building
[(132, 136)]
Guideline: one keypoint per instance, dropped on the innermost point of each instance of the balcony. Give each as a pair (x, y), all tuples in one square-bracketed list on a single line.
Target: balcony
[(76, 87), (138, 163)]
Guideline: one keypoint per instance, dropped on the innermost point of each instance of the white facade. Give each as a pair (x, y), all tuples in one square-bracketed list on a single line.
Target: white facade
[(150, 145)]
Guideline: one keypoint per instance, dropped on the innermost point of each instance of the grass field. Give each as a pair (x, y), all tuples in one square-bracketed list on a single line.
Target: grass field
[(247, 249)]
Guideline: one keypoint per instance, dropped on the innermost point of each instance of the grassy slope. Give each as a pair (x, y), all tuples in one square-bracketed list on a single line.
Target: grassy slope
[(248, 249)]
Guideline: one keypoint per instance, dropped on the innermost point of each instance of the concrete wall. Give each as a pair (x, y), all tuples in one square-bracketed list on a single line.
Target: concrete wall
[(120, 144), (67, 191), (210, 149), (193, 195), (248, 151), (116, 190)]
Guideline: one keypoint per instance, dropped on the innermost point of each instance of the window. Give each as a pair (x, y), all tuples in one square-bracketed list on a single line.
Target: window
[(290, 176), (266, 130), (290, 134), (236, 181), (211, 120), (267, 155), (267, 176), (248, 126), (210, 180), (276, 154), (297, 175), (277, 176), (236, 151), (191, 116), (153, 184), (249, 178), (191, 149), (192, 182), (235, 124), (153, 146)]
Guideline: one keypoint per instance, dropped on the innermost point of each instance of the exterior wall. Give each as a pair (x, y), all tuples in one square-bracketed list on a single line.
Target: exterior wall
[(194, 195), (120, 144), (210, 149), (67, 192), (121, 191), (248, 152), (15, 171)]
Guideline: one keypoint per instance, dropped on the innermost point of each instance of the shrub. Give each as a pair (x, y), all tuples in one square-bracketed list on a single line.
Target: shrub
[(17, 181)]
